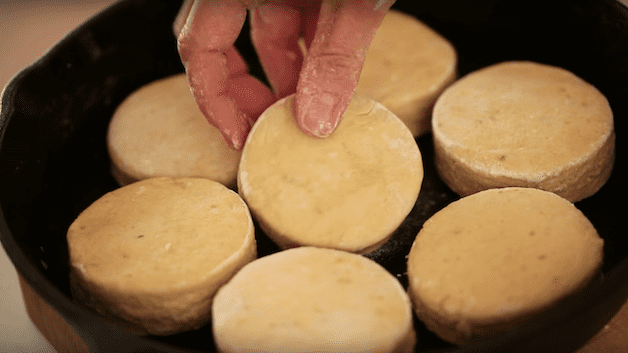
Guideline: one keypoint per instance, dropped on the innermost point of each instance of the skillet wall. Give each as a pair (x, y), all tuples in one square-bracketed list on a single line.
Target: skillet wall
[(53, 158)]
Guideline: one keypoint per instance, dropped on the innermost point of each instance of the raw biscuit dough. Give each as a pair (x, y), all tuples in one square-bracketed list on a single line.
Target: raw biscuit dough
[(407, 67), (313, 300), (524, 124), (159, 131), (349, 191), (151, 255), (489, 261)]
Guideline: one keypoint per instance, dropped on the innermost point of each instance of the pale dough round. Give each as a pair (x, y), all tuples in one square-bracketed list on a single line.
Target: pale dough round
[(159, 131), (152, 254), (349, 191), (313, 300), (407, 67), (524, 124), (485, 263)]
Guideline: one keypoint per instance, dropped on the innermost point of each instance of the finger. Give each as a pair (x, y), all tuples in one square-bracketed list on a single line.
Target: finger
[(335, 58), (275, 29), (207, 36), (308, 24), (251, 95), (236, 65), (182, 16), (212, 91)]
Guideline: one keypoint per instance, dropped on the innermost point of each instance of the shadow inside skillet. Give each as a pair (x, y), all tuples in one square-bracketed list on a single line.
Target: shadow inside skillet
[(54, 162)]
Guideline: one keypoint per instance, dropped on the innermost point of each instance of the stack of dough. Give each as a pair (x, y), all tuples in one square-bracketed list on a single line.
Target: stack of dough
[(313, 300), (491, 260), (152, 254), (524, 124), (159, 131), (407, 67), (349, 191)]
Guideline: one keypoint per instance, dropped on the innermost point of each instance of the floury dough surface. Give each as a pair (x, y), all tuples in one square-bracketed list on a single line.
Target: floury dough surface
[(407, 67), (524, 124), (152, 254), (159, 131), (487, 262), (349, 191), (313, 300)]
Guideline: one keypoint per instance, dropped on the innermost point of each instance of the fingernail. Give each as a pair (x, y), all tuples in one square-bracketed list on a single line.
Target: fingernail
[(318, 115)]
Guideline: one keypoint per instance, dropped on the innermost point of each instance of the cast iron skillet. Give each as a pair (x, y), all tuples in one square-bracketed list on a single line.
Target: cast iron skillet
[(54, 163)]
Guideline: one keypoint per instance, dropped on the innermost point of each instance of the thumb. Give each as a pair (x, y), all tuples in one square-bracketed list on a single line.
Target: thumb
[(331, 70)]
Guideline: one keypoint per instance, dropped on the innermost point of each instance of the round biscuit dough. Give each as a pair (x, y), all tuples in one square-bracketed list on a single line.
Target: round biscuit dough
[(151, 255), (349, 191), (407, 67), (159, 131), (524, 124), (487, 262), (313, 300)]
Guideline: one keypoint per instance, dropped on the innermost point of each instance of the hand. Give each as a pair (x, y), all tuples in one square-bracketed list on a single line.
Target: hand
[(337, 34)]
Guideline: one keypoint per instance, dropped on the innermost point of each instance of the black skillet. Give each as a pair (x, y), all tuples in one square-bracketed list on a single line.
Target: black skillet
[(54, 163)]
